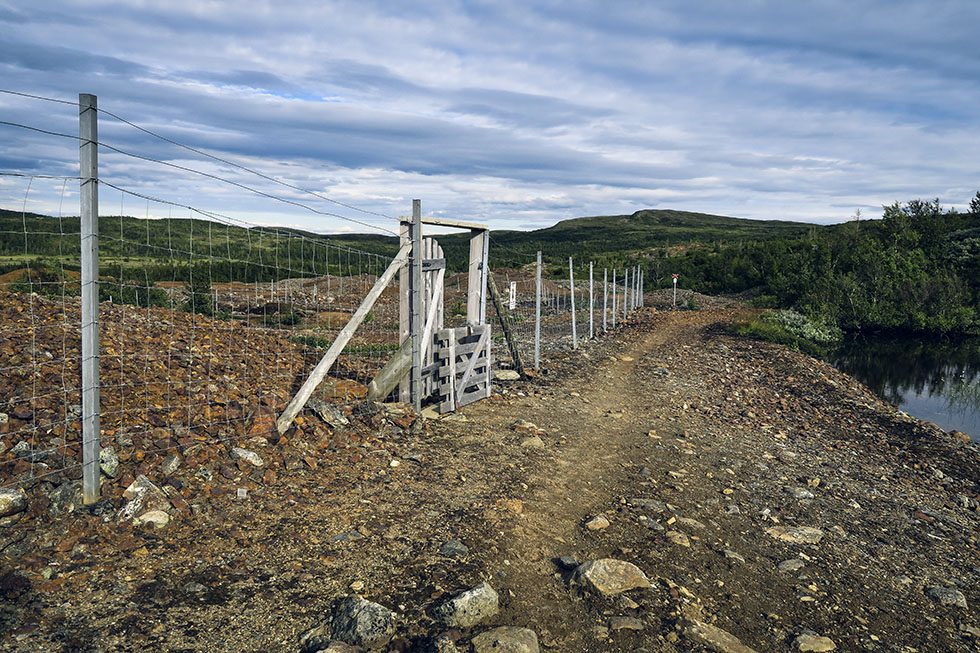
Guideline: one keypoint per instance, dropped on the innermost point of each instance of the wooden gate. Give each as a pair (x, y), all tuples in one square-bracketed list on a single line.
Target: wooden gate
[(463, 374)]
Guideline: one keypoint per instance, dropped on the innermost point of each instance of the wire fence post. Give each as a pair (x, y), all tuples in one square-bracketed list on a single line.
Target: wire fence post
[(537, 314), (571, 291), (591, 305), (415, 299), (88, 130), (636, 288), (626, 292), (642, 288), (614, 299), (605, 297)]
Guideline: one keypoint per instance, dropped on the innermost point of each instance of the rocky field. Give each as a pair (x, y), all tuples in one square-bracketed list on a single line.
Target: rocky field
[(669, 488)]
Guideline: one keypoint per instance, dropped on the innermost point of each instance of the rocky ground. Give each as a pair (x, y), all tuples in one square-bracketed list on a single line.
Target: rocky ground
[(669, 488)]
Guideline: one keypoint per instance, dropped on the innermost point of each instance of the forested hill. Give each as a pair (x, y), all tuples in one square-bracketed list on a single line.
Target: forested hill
[(612, 239), (915, 269)]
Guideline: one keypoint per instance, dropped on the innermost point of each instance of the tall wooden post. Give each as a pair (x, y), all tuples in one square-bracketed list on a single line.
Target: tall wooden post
[(415, 304)]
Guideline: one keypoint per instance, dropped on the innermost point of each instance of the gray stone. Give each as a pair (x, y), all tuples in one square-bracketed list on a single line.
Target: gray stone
[(789, 566), (733, 555), (947, 596), (12, 502), (609, 576), (813, 643), (469, 608), (714, 638), (799, 493), (533, 442), (171, 464), (597, 523), (329, 413), (155, 519), (454, 549), (143, 496), (506, 639), (361, 622), (651, 505), (567, 562), (25, 451), (65, 498), (506, 375), (626, 623), (109, 462), (248, 456), (796, 534), (678, 538)]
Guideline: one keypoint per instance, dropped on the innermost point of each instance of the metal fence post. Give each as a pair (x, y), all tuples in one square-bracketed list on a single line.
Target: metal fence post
[(605, 297), (639, 287), (591, 305), (626, 291), (88, 131), (415, 306), (642, 288), (614, 299), (537, 315), (571, 290)]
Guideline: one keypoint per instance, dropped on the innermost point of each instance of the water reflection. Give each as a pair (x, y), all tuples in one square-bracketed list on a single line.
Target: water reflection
[(933, 380)]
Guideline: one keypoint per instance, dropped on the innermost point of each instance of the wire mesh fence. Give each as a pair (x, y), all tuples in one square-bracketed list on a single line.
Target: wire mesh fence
[(557, 307), (208, 324)]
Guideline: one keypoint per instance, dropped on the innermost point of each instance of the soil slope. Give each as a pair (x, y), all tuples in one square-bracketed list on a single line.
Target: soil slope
[(702, 452)]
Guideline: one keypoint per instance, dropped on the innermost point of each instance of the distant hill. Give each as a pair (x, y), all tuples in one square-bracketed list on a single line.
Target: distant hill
[(134, 242), (613, 237)]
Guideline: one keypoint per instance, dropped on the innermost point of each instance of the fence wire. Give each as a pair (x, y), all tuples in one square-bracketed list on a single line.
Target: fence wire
[(208, 325), (515, 277)]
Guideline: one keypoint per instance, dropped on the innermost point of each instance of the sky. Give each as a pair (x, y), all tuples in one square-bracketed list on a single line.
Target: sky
[(517, 114)]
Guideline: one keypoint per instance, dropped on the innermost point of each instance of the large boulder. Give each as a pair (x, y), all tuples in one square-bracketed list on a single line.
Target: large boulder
[(609, 576), (470, 607)]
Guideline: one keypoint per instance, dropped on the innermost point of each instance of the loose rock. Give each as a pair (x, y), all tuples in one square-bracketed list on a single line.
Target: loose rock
[(12, 502), (506, 639), (248, 456), (947, 596), (597, 523), (789, 566), (609, 576), (454, 549), (109, 462), (143, 497), (714, 638), (796, 534), (469, 608), (814, 643), (353, 621)]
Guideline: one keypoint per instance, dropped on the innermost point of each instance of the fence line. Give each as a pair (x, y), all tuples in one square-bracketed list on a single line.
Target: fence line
[(147, 333)]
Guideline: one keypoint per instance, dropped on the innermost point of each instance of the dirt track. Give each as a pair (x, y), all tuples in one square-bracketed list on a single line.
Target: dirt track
[(725, 438)]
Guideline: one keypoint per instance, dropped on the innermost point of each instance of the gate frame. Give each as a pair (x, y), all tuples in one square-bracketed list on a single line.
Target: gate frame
[(411, 320)]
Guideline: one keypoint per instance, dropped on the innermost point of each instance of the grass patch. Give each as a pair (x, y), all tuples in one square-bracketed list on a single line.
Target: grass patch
[(790, 329)]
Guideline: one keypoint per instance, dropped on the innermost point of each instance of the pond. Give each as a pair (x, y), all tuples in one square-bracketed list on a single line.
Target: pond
[(934, 380)]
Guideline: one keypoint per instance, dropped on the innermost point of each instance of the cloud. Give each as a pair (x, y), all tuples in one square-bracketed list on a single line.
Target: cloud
[(514, 113)]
